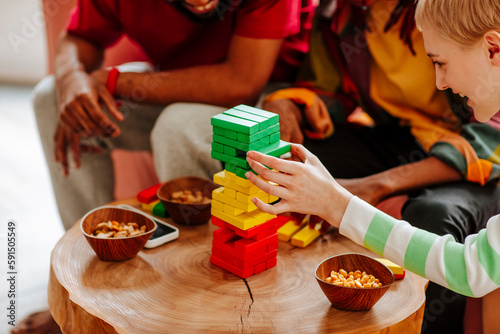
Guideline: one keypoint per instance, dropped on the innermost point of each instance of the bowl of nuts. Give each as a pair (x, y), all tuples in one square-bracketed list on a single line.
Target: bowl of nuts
[(188, 199), (353, 282), (116, 234)]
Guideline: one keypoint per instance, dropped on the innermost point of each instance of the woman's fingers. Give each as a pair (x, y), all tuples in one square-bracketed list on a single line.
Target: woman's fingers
[(273, 209), (281, 165), (269, 188), (268, 174)]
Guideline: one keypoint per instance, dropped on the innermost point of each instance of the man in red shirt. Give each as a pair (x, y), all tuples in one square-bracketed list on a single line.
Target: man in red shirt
[(207, 52), (212, 53)]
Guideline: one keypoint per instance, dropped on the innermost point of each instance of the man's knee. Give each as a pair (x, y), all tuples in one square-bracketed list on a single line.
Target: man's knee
[(439, 217), (44, 97)]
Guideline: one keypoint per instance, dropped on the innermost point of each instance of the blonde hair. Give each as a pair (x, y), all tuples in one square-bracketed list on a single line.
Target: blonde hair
[(460, 21)]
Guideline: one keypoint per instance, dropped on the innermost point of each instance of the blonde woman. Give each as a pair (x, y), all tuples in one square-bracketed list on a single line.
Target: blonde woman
[(462, 38)]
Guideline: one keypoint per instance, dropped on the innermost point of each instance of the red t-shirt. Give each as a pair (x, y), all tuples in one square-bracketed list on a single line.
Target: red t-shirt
[(171, 39)]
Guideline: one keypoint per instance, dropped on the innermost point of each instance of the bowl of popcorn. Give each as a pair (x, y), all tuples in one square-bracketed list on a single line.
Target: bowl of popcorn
[(188, 199), (116, 234), (353, 282)]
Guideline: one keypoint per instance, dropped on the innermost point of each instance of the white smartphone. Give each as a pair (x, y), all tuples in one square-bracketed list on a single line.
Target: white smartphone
[(164, 232)]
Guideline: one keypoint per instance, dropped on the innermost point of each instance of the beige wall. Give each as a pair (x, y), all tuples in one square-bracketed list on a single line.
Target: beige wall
[(22, 41)]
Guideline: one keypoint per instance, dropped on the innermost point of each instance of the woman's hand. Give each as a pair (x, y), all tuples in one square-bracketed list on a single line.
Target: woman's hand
[(305, 186)]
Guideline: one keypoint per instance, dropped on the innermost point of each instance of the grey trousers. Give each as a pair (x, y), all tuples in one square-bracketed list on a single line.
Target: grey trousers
[(179, 136)]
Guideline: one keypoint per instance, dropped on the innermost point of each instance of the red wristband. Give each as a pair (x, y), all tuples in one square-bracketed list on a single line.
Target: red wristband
[(112, 80)]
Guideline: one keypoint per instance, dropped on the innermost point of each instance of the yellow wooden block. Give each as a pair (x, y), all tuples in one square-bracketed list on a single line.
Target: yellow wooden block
[(220, 178), (218, 194), (218, 205), (231, 210), (273, 199), (396, 270), (241, 181), (305, 236), (149, 206), (230, 176), (244, 198), (245, 220), (246, 190), (286, 231), (230, 192)]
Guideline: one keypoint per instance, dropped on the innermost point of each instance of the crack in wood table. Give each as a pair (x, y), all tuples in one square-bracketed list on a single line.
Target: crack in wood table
[(175, 289)]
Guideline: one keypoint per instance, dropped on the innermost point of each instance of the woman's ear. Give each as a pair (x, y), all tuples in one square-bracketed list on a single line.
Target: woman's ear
[(492, 39)]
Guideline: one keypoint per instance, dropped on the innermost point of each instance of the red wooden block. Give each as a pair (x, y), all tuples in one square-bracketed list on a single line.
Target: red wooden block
[(222, 255), (271, 263), (251, 232), (266, 233), (273, 245), (224, 265), (260, 268), (281, 220), (400, 276), (224, 234), (243, 265), (229, 248), (147, 196), (248, 245)]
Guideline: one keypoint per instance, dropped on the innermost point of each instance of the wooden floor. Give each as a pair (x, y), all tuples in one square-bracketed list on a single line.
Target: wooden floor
[(25, 197)]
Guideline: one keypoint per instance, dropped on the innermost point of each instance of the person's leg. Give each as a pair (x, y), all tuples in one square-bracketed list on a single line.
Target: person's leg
[(355, 151), (92, 184), (181, 141), (459, 209)]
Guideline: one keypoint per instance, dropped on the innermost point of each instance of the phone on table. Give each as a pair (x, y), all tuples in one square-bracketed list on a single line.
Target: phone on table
[(164, 232)]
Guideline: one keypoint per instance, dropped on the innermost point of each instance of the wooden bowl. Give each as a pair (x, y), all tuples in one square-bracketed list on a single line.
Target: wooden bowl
[(353, 299), (111, 249), (188, 214)]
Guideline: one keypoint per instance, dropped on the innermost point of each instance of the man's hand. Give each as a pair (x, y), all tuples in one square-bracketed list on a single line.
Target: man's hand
[(79, 96), (365, 189), (66, 142), (291, 119)]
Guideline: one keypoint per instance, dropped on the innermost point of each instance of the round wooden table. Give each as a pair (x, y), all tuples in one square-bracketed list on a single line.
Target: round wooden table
[(175, 289)]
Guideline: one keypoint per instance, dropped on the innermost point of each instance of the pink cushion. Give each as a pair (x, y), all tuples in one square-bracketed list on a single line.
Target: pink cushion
[(393, 205), (134, 171)]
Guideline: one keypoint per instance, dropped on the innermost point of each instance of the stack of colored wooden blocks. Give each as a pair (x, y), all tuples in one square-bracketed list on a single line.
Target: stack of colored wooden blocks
[(150, 202), (247, 241)]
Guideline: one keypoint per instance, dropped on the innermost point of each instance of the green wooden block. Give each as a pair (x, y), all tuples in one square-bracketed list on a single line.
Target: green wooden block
[(238, 161), (218, 131), (276, 149), (264, 141), (263, 113), (230, 151), (230, 134), (259, 135), (238, 170), (236, 144), (234, 123), (159, 210), (264, 122), (217, 147), (274, 138)]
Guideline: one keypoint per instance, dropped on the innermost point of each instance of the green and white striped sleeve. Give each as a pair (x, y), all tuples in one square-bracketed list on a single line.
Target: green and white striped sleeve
[(472, 268)]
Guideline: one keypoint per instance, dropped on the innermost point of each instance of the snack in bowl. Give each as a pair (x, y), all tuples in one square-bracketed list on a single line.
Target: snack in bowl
[(116, 249), (353, 279), (182, 207), (353, 298), (114, 229), (188, 197)]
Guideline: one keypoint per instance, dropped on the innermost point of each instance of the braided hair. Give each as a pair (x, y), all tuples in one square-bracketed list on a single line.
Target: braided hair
[(404, 9)]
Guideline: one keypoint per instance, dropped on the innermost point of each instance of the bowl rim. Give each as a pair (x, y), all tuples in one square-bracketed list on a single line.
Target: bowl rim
[(161, 198), (155, 226), (348, 287)]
